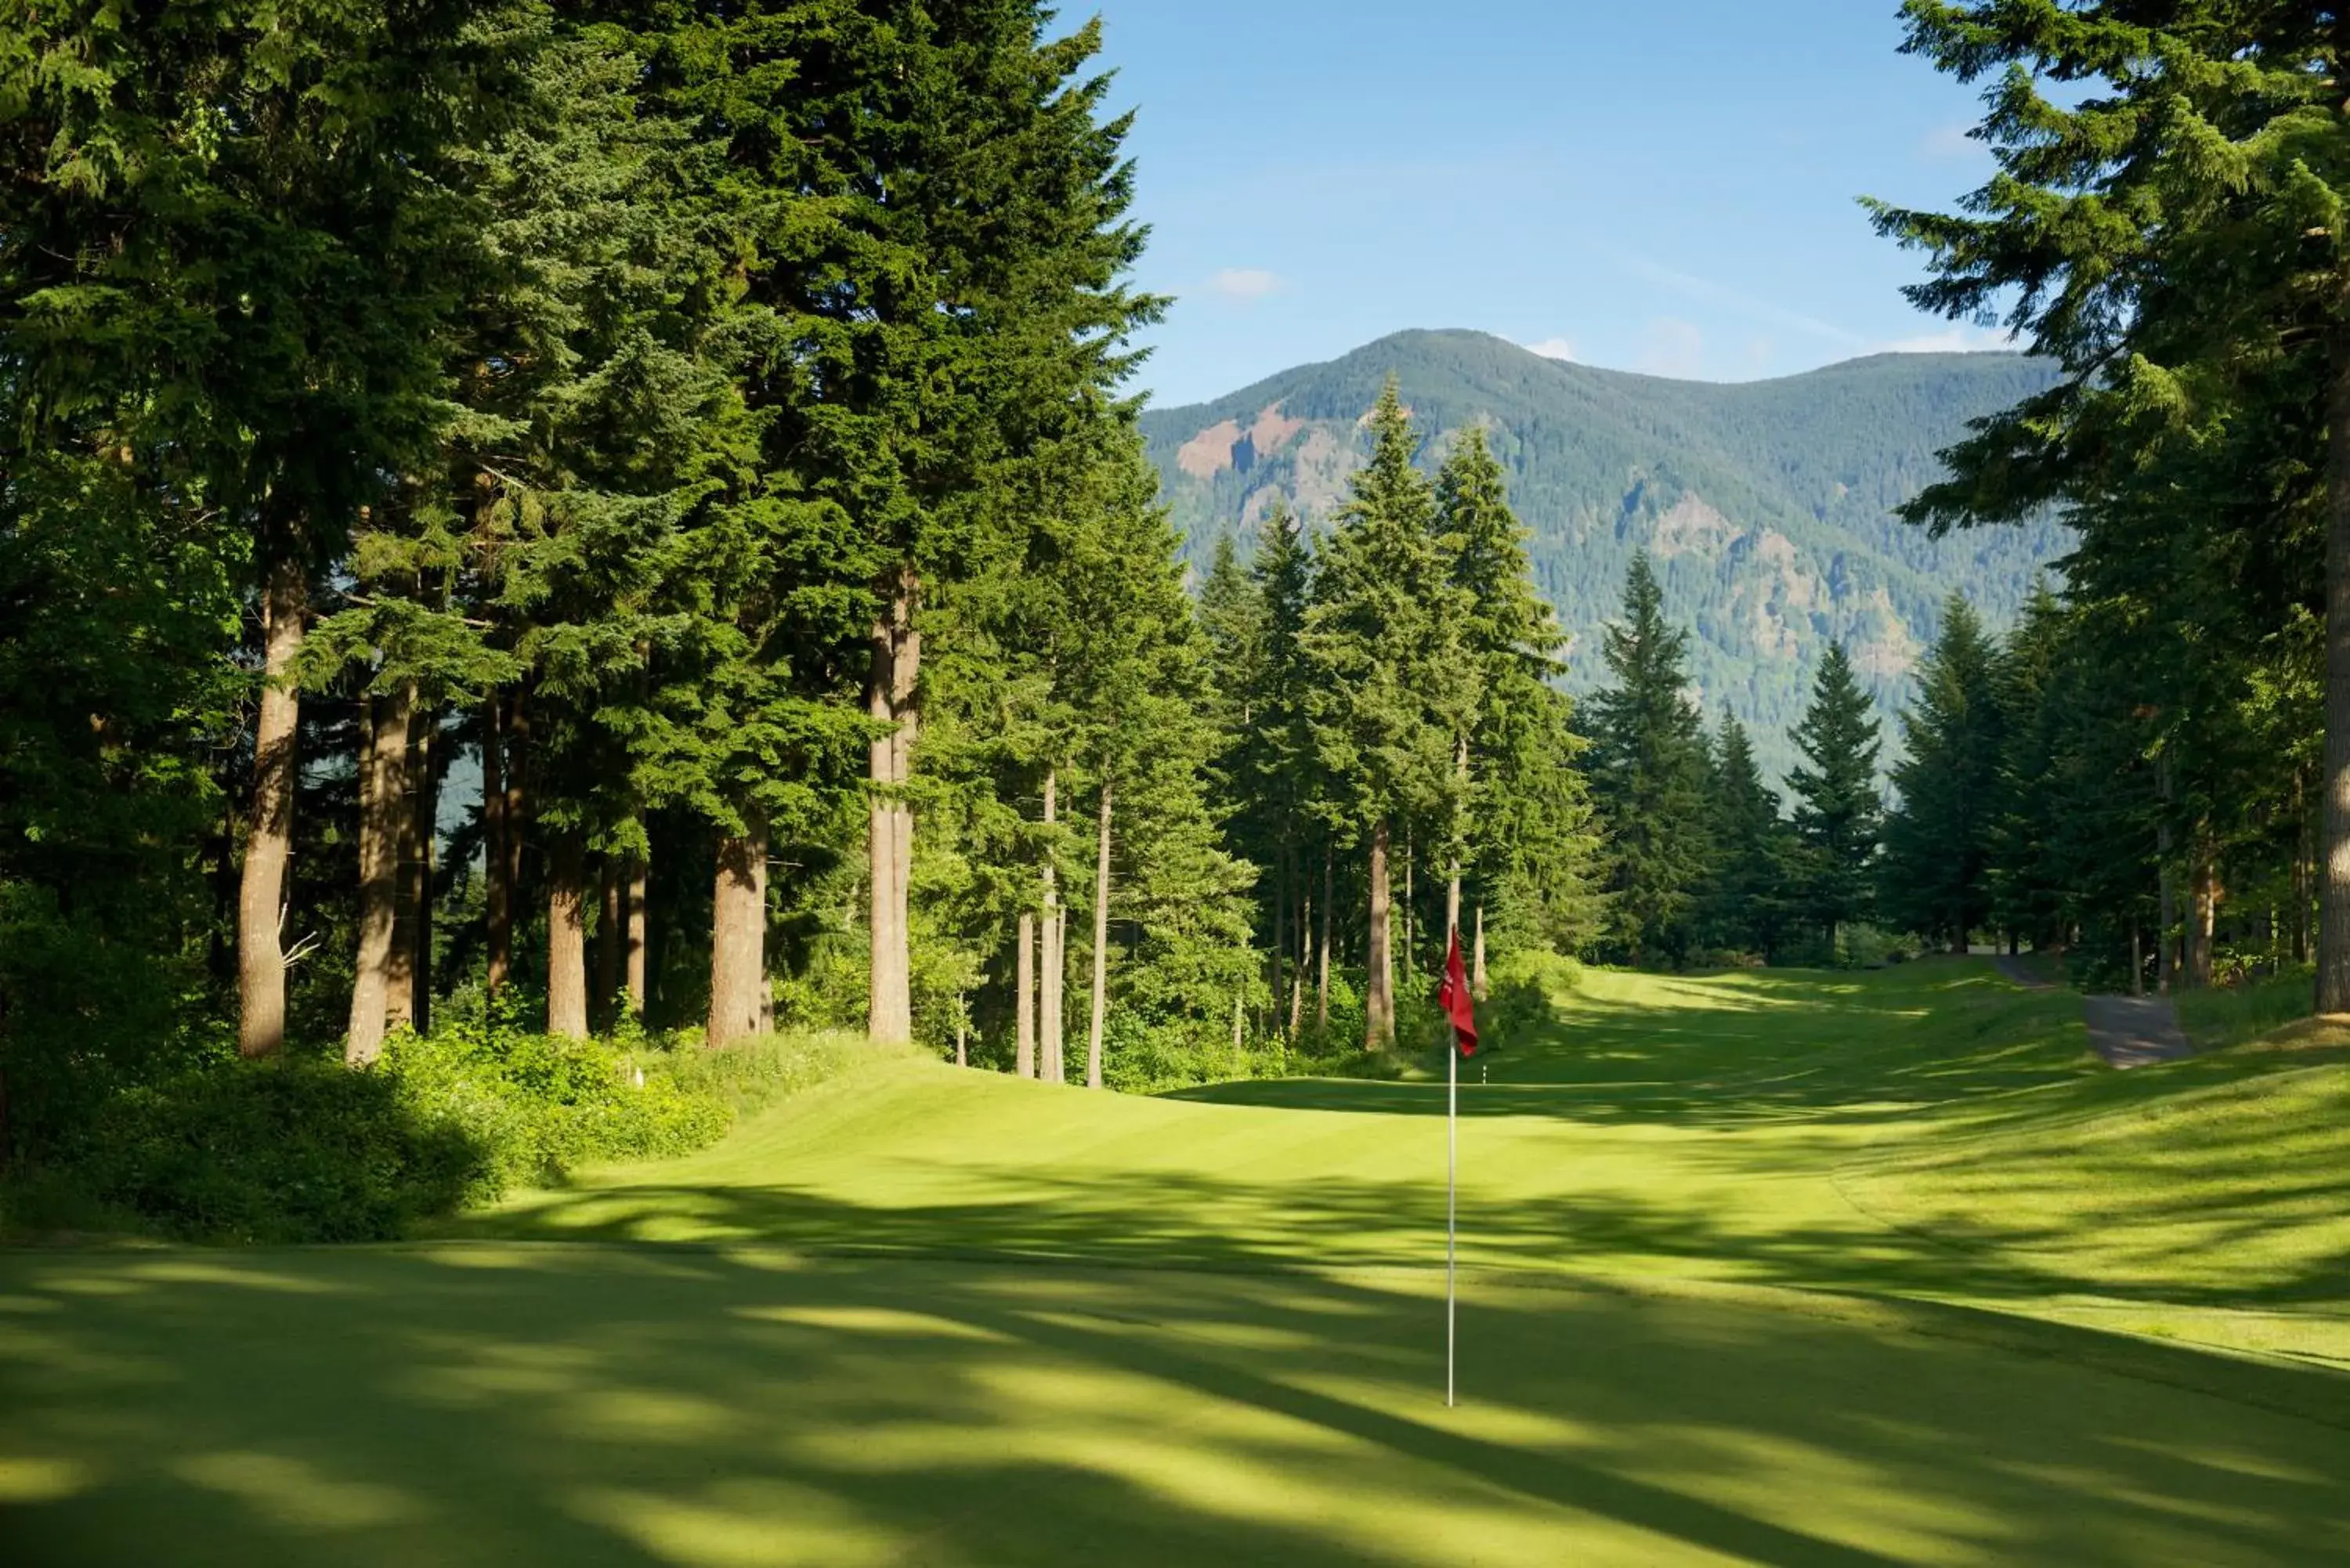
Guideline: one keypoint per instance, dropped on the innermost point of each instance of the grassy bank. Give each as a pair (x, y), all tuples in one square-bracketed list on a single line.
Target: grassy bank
[(1848, 1269)]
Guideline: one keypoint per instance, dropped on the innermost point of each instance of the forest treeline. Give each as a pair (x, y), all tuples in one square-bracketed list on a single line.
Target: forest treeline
[(627, 518), (524, 524)]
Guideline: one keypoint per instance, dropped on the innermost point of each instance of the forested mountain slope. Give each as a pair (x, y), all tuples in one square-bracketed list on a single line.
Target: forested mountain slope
[(1767, 504)]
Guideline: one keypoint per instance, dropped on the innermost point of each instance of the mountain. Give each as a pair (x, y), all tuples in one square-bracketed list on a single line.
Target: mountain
[(1768, 505)]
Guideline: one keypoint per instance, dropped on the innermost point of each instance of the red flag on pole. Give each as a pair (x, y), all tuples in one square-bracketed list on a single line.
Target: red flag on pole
[(1453, 997)]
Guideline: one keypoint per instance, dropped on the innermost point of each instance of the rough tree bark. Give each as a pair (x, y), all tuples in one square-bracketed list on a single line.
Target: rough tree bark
[(2333, 855), (400, 973), (432, 763), (382, 743), (1101, 945), (1304, 900), (2166, 960), (889, 829), (1280, 943), (738, 936), (2202, 913), (1476, 965), (609, 913), (497, 888), (269, 828), (1322, 993), (634, 943), (1048, 1006), (567, 937), (1378, 978), (1410, 961), (1024, 982)]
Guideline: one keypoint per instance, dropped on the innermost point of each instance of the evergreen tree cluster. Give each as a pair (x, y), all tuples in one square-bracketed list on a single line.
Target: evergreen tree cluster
[(2168, 740), (612, 512), (1700, 860), (627, 515)]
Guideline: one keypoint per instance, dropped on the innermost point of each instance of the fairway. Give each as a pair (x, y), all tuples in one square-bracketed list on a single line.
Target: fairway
[(1765, 1268)]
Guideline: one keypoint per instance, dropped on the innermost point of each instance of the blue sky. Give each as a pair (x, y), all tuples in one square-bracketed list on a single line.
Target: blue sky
[(1661, 186)]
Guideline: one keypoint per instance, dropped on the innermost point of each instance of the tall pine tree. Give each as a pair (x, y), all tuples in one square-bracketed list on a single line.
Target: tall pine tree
[(1647, 777), (1939, 836), (1838, 810), (1389, 697)]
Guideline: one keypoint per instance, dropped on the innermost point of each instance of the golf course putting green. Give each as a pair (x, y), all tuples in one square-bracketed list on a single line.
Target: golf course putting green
[(1743, 1288)]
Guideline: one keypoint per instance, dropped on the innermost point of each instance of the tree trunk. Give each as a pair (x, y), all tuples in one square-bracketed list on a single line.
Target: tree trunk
[(1410, 963), (1451, 908), (1048, 1007), (1304, 900), (2167, 962), (1379, 975), (2203, 908), (1024, 1003), (497, 858), (1101, 947), (400, 973), (383, 741), (1279, 946), (609, 913), (889, 698), (2333, 891), (634, 943), (2137, 960), (567, 937), (1321, 997), (738, 936), (432, 761), (1477, 966), (269, 830)]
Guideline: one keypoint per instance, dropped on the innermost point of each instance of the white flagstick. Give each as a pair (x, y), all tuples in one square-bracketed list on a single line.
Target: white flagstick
[(1451, 1187)]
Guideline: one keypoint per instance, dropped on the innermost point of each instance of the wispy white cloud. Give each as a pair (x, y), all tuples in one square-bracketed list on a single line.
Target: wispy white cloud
[(1669, 346), (1246, 283), (1954, 340), (1552, 349)]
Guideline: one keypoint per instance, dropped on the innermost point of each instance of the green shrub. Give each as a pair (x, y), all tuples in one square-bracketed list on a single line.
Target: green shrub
[(305, 1149), (540, 1107), (298, 1150), (1521, 994)]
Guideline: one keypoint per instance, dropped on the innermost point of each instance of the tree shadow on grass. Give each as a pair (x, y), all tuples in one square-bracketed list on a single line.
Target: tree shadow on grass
[(678, 1405), (1177, 1219)]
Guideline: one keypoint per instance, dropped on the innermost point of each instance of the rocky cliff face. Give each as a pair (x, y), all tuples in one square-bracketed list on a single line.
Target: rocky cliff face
[(1767, 506)]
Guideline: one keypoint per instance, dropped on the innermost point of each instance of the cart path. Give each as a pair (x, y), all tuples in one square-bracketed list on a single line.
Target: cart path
[(2126, 1031)]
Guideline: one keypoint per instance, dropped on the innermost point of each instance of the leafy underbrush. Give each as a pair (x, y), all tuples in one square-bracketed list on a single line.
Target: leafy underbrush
[(303, 1149), (2233, 1015)]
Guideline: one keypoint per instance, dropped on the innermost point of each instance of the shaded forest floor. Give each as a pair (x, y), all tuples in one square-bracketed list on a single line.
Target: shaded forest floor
[(1762, 1267)]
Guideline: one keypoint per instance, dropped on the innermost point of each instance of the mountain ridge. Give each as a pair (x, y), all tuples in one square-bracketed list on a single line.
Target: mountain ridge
[(1767, 506)]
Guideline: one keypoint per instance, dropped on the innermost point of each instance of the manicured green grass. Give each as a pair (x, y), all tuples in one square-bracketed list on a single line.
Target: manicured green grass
[(1764, 1268)]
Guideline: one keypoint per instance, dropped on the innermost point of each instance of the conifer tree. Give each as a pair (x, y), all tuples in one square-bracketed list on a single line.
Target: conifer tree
[(1838, 811), (267, 335), (1274, 768), (1526, 827), (1745, 906), (1938, 837), (1647, 776), (1388, 698), (2172, 226)]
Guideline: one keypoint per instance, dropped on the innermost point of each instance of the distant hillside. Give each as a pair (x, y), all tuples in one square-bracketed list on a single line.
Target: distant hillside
[(1767, 504)]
